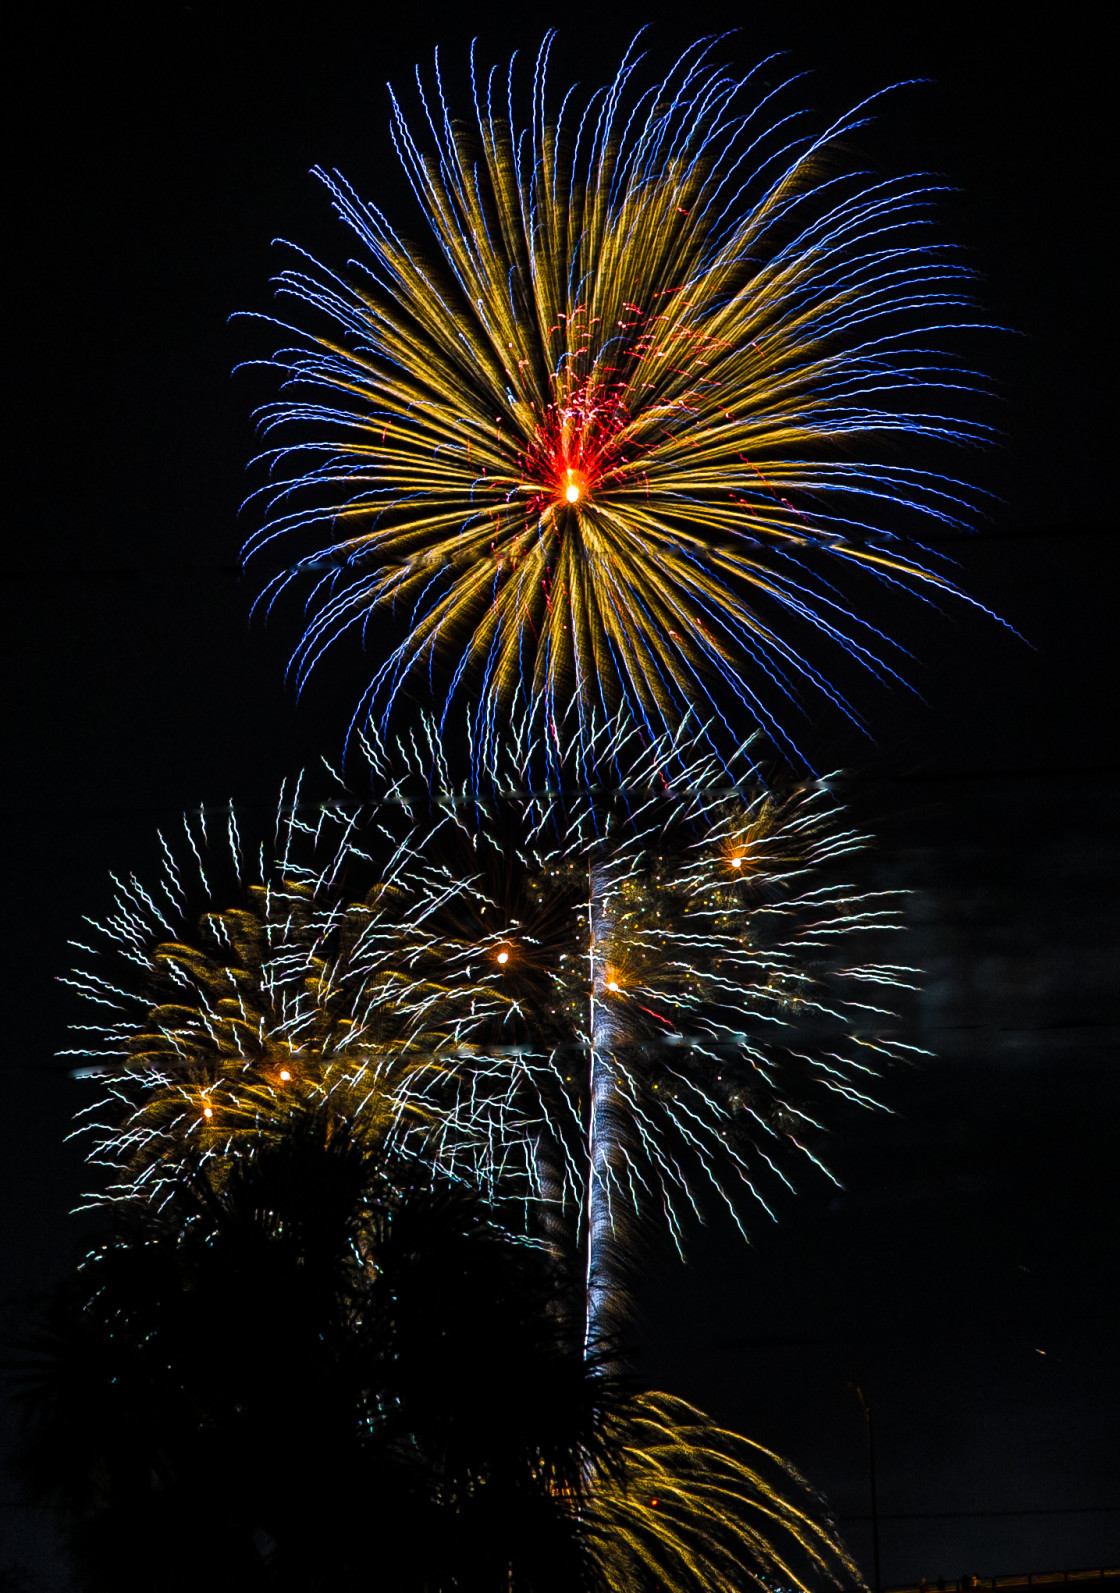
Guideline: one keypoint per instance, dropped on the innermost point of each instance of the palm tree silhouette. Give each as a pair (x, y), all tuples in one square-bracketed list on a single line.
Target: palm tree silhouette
[(322, 1370)]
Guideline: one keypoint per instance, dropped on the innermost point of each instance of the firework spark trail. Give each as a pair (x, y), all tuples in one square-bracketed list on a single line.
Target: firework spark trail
[(696, 1506), (227, 1017), (625, 1000), (656, 984), (530, 988), (616, 437)]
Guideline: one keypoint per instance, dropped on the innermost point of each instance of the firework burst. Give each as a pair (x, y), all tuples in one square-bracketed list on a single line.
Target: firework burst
[(634, 995), (617, 436), (225, 1007), (598, 1002), (695, 1506), (607, 1002)]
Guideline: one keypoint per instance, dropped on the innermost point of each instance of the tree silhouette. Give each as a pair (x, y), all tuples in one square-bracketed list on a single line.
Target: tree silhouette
[(324, 1370)]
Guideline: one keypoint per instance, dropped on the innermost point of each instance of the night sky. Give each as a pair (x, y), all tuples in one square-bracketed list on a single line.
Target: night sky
[(965, 1275)]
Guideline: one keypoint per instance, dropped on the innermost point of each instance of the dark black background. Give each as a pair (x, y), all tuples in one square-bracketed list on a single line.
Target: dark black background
[(965, 1274)]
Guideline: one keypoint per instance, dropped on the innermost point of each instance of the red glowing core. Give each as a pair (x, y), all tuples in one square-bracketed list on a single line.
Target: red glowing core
[(574, 453)]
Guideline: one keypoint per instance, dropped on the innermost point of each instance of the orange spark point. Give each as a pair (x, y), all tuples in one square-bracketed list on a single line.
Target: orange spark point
[(573, 485)]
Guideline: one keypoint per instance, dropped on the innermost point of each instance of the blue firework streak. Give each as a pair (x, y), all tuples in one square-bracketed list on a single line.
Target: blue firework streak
[(617, 435)]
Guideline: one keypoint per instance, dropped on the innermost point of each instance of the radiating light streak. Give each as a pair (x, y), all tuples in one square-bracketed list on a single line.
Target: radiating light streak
[(241, 1018), (694, 1506), (656, 1028), (663, 1027), (619, 433)]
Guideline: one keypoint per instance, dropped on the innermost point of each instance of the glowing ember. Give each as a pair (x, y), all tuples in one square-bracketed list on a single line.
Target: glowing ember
[(503, 956), (284, 1075), (574, 483)]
